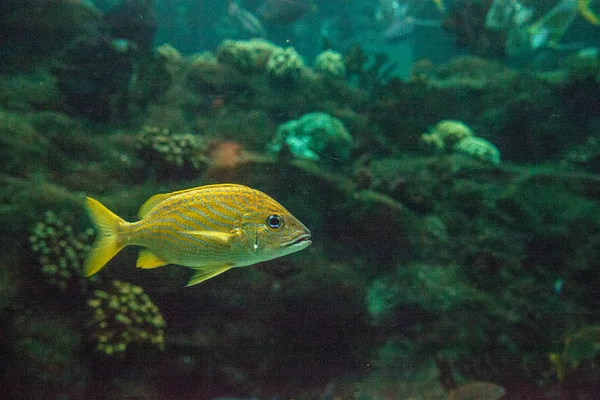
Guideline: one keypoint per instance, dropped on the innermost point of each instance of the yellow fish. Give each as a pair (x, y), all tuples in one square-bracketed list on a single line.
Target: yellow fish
[(210, 229)]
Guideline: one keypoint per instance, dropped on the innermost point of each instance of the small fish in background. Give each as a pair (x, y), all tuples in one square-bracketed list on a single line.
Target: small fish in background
[(506, 14), (209, 229), (548, 31), (404, 21), (402, 25), (552, 26), (284, 11), (247, 21)]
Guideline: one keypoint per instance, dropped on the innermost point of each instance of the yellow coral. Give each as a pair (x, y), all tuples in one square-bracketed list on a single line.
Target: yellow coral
[(60, 250), (122, 315)]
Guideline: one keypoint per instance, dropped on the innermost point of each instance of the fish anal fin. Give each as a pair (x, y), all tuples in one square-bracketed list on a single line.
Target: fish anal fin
[(204, 273), (148, 260), (213, 236)]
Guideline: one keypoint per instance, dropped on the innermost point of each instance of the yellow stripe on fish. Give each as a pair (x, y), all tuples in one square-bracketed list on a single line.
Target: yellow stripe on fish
[(210, 229)]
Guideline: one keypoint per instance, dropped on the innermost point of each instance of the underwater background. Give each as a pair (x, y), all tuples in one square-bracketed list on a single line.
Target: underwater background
[(445, 156)]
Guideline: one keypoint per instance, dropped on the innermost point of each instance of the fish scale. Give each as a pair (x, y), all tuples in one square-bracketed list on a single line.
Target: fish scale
[(209, 229)]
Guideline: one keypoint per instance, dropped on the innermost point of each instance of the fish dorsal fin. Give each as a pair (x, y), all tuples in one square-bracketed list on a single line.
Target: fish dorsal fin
[(204, 273), (151, 203), (212, 236), (148, 260), (158, 198)]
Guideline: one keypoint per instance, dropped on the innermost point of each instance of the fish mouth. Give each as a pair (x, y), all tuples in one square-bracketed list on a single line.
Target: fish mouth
[(302, 240)]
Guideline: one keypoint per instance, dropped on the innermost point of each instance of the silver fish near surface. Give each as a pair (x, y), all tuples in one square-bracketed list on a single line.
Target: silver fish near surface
[(247, 21), (284, 11)]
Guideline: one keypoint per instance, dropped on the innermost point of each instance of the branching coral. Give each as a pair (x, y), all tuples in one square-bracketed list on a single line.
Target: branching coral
[(122, 315), (60, 250)]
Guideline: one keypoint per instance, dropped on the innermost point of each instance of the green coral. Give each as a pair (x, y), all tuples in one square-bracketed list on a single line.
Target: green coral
[(479, 149), (122, 315), (167, 151), (285, 64), (455, 136), (314, 136), (445, 134), (246, 55), (60, 250), (330, 64)]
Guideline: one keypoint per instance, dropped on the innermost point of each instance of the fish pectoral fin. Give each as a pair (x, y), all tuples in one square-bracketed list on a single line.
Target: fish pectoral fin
[(213, 236), (148, 260), (204, 273)]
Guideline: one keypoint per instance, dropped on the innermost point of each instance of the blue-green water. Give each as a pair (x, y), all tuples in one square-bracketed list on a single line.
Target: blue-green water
[(444, 156)]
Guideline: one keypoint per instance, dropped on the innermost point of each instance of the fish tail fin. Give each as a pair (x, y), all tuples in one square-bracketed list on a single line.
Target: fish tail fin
[(108, 242)]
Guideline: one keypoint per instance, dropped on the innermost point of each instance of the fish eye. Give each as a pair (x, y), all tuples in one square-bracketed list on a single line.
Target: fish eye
[(275, 221)]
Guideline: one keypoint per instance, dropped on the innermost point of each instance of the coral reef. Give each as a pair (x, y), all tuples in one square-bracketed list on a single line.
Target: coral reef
[(315, 136), (60, 250), (123, 315), (419, 259)]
